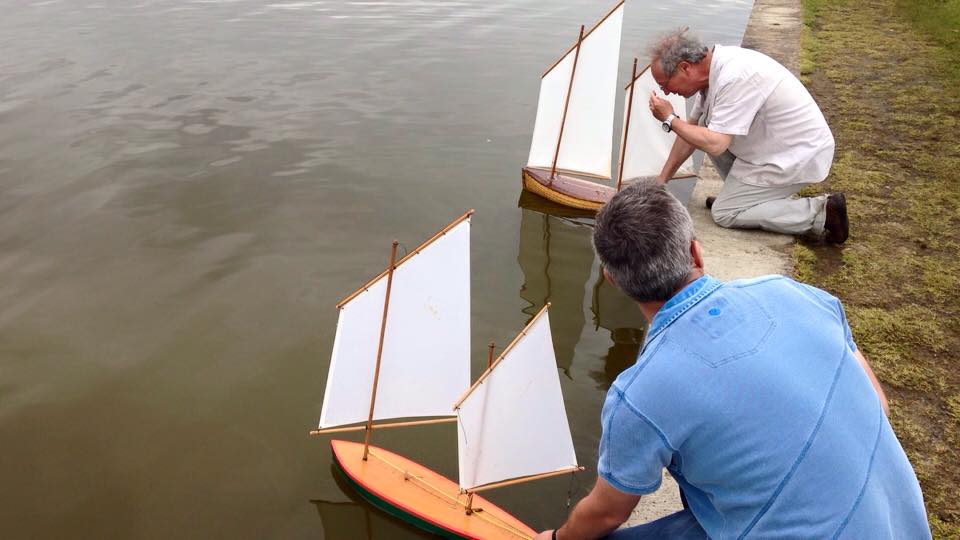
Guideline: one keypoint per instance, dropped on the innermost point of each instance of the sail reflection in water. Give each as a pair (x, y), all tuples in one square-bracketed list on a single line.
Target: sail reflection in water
[(556, 258), (615, 311)]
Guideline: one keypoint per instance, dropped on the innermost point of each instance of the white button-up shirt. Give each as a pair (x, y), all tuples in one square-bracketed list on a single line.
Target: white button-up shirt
[(780, 137)]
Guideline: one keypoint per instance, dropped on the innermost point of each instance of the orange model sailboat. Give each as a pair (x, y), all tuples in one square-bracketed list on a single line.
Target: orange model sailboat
[(402, 350)]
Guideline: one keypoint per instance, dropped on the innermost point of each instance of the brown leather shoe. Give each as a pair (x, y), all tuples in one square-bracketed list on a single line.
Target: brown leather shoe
[(837, 228), (710, 201)]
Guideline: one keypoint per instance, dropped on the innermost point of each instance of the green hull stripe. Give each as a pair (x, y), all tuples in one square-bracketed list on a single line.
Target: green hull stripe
[(395, 511)]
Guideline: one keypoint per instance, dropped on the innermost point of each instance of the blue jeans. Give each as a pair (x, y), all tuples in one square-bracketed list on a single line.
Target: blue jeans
[(679, 526)]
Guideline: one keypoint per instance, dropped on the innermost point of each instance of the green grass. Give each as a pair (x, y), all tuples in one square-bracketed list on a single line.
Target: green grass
[(885, 73), (939, 20)]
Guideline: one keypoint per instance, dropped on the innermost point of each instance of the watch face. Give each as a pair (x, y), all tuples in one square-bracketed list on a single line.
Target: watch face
[(666, 127)]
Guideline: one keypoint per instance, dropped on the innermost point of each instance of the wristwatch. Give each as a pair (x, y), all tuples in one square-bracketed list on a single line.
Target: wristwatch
[(668, 123)]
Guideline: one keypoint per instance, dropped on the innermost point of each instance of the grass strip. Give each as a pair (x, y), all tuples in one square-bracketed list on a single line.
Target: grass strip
[(886, 76)]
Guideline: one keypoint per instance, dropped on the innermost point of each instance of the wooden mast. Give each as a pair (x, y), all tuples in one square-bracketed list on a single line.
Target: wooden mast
[(566, 104), (626, 125), (383, 330)]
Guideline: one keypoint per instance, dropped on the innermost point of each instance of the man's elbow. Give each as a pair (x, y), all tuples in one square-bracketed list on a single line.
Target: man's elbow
[(610, 522), (716, 148), (614, 517), (718, 144)]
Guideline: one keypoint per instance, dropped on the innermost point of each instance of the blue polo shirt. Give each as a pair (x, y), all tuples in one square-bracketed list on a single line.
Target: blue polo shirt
[(750, 395)]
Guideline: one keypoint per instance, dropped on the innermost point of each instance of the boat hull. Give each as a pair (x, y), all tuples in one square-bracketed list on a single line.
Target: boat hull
[(422, 497), (566, 190)]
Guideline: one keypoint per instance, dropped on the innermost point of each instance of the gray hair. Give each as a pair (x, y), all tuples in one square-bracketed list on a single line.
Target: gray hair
[(643, 237), (675, 47)]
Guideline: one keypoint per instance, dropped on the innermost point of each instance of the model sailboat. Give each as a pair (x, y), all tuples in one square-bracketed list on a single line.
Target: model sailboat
[(573, 132), (402, 350)]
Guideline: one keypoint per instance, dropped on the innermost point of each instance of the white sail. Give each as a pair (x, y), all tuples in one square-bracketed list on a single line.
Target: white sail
[(514, 424), (587, 134), (425, 364), (647, 144)]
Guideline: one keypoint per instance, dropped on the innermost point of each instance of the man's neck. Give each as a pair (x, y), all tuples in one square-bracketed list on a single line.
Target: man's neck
[(703, 72), (650, 309)]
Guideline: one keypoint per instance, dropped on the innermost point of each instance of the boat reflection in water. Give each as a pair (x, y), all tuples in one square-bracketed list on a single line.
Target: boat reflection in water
[(352, 518), (559, 266), (618, 313), (556, 258)]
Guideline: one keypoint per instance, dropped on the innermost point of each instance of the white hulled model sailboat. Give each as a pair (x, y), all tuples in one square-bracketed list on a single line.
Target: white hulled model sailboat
[(572, 141)]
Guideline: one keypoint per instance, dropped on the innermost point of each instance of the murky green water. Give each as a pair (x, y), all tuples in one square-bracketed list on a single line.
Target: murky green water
[(186, 190)]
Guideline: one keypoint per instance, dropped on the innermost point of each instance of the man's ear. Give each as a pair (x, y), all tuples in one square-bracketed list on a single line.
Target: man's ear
[(608, 277), (697, 253)]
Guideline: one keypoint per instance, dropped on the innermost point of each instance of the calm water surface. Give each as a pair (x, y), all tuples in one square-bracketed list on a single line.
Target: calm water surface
[(187, 188)]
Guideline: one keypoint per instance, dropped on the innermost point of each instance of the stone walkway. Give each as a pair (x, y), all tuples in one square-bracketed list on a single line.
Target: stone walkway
[(774, 29)]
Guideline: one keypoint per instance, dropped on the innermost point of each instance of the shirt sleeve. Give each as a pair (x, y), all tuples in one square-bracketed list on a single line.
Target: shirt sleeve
[(847, 333), (834, 302), (633, 451), (737, 103)]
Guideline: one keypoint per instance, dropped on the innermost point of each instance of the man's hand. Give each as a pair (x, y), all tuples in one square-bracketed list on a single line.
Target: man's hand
[(660, 107)]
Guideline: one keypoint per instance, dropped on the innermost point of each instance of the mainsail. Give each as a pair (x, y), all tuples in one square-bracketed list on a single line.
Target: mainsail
[(647, 145), (587, 132), (513, 423), (425, 364)]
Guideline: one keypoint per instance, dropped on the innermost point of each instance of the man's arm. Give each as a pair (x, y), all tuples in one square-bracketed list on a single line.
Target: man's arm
[(679, 153), (597, 514), (873, 380), (700, 137), (695, 135)]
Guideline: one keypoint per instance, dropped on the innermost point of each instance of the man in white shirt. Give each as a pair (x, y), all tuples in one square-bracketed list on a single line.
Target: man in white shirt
[(762, 129)]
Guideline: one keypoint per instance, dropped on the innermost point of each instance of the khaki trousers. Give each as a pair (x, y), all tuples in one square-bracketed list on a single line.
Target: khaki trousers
[(771, 208)]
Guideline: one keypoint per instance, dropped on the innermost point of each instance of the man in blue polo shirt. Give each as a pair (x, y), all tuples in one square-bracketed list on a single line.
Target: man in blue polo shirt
[(752, 394)]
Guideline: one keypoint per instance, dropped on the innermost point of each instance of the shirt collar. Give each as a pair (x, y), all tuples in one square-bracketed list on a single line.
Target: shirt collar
[(688, 297)]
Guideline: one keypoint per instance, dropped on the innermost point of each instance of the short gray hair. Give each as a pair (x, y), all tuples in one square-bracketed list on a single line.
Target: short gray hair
[(675, 47), (643, 237)]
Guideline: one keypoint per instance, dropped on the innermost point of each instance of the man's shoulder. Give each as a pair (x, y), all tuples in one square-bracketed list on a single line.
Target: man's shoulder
[(645, 379), (770, 282), (761, 285), (737, 63), (727, 54), (784, 292), (778, 283)]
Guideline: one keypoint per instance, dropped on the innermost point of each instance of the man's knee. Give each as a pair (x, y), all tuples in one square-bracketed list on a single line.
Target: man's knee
[(724, 217)]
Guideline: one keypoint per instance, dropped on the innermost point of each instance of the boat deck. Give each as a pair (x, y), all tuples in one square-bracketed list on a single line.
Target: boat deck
[(421, 496)]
